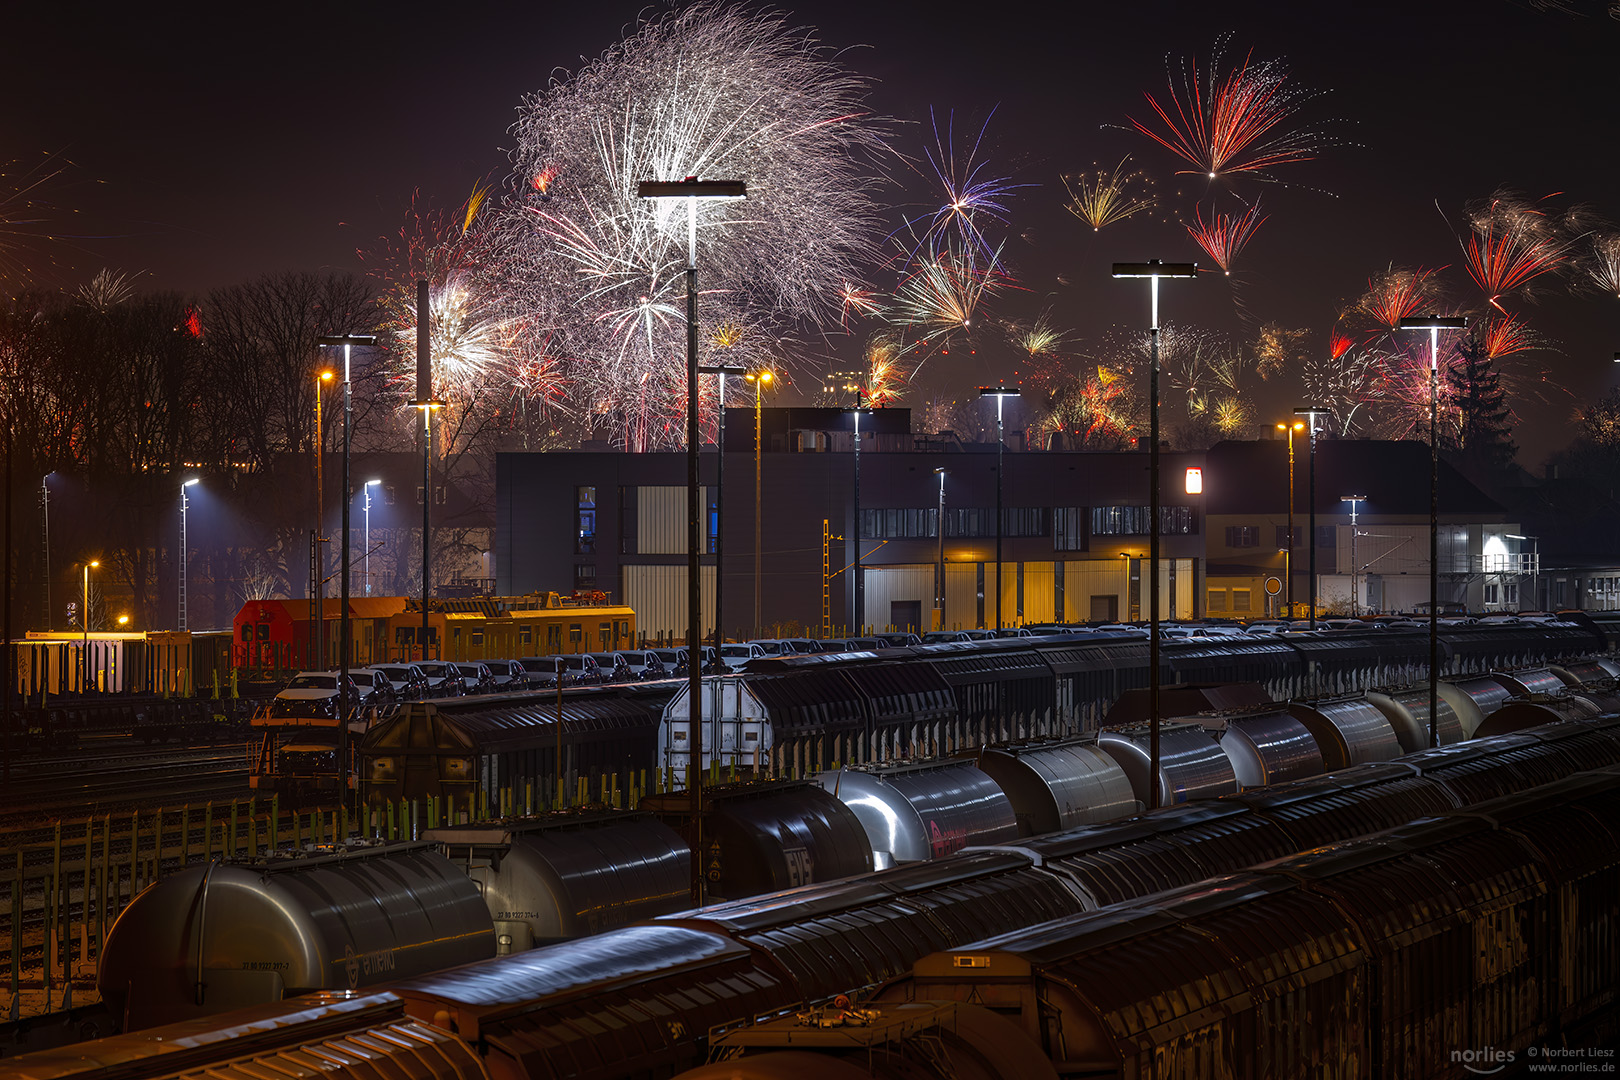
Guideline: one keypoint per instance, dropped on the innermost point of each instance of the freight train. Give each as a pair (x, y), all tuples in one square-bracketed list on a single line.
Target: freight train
[(1485, 927), (800, 715), (536, 882)]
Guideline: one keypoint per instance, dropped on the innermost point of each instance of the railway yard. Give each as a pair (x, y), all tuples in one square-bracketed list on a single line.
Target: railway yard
[(940, 852)]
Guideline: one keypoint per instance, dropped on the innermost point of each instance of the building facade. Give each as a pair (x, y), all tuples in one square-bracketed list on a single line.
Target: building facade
[(1074, 541)]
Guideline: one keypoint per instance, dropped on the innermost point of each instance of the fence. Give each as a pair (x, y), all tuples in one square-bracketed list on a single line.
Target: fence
[(66, 892)]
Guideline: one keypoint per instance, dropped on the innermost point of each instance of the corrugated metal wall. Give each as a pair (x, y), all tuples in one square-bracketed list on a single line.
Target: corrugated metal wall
[(903, 583), (1039, 581), (657, 594), (661, 521), (1093, 577)]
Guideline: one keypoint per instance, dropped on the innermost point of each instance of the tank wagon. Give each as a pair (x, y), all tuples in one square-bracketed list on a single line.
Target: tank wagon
[(243, 931), (642, 999)]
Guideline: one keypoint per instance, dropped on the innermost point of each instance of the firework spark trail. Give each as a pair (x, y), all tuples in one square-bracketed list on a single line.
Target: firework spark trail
[(1341, 382), (1508, 335), (1339, 343), (708, 91), (942, 294), (1225, 235), (969, 195), (1232, 123), (1506, 252), (857, 301), (26, 215), (1602, 263), (1101, 198), (1397, 294)]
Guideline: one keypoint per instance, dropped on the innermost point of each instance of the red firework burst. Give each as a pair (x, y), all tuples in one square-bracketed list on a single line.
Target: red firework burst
[(1339, 343), (1502, 259), (1233, 123), (1506, 336), (1396, 294), (1225, 235)]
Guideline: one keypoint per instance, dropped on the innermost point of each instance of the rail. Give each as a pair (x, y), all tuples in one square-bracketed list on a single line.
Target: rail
[(65, 892)]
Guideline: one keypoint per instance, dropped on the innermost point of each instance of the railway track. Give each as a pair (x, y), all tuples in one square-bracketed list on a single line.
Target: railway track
[(114, 779)]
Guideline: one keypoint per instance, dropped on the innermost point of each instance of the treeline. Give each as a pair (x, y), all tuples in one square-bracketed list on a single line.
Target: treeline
[(123, 395)]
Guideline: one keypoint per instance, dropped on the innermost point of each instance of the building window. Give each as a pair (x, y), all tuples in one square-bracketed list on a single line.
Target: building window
[(1133, 520), (1510, 593), (1242, 536), (585, 521), (1241, 600), (1327, 536), (584, 577), (1492, 593), (1216, 600), (1068, 528)]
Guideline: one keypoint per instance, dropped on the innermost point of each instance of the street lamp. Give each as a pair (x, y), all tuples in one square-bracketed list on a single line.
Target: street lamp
[(692, 189), (1434, 324), (366, 563), (317, 565), (1355, 594), (348, 341), (999, 393), (426, 402), (1535, 569), (1288, 552), (761, 378), (184, 547), (84, 623), (860, 568), (1153, 270), (720, 371), (939, 575), (45, 539), (1312, 412)]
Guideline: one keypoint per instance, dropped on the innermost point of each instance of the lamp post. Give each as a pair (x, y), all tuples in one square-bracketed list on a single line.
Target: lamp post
[(366, 558), (1434, 324), (1312, 412), (426, 402), (1153, 270), (939, 574), (45, 541), (317, 565), (348, 341), (692, 189), (860, 568), (1288, 551), (84, 624), (1535, 569), (184, 549), (761, 378), (1000, 393), (1355, 593), (720, 371)]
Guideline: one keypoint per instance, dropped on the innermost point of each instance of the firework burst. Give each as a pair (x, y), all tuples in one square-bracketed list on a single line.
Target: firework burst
[(1232, 122), (1601, 263), (855, 301), (1102, 198), (971, 198), (942, 294), (708, 91), (1225, 235), (1510, 246), (1395, 295)]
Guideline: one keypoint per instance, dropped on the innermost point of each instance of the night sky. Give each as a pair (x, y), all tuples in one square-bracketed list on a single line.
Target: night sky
[(207, 149)]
